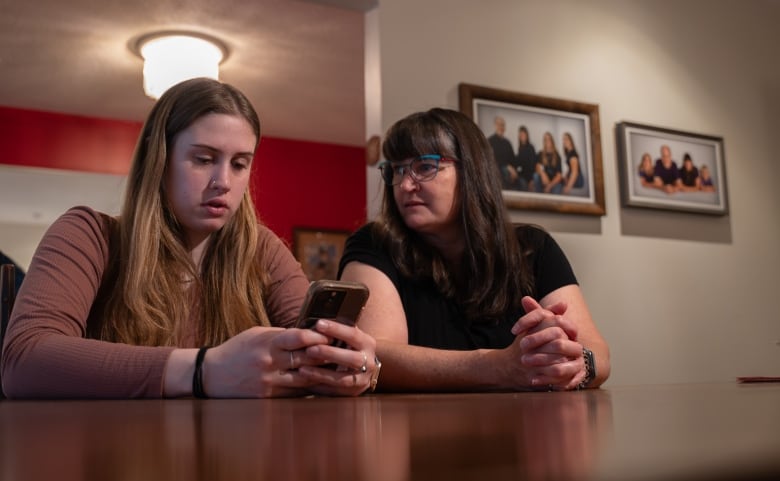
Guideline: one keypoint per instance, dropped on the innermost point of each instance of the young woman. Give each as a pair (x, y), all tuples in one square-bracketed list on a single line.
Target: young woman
[(462, 300), (126, 307), (646, 172), (574, 178), (689, 175), (525, 159), (549, 177)]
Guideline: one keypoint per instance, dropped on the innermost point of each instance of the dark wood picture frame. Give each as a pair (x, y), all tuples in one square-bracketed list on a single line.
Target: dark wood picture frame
[(541, 115), (319, 251), (702, 185)]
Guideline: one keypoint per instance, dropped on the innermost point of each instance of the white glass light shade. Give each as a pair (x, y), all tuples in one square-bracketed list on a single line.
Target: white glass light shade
[(172, 59)]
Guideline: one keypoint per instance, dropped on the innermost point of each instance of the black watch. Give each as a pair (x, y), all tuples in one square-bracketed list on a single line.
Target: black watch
[(590, 368)]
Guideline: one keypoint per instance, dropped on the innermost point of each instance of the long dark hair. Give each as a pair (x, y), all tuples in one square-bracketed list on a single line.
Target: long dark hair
[(493, 272)]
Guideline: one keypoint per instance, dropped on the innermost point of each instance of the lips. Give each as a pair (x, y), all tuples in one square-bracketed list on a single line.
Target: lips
[(216, 207), (215, 203)]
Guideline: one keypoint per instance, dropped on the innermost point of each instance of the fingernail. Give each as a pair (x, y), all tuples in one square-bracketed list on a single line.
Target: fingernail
[(323, 323)]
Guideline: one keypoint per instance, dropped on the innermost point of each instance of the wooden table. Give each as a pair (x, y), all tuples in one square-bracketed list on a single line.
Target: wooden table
[(712, 432)]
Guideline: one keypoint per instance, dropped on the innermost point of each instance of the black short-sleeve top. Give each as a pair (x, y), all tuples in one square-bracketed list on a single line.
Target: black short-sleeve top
[(436, 321)]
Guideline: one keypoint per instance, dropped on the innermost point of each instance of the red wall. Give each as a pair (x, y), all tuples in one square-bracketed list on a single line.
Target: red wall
[(294, 183), (58, 141), (309, 184)]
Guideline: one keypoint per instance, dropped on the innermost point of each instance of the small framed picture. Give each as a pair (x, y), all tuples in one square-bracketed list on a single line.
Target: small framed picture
[(319, 251), (548, 151), (669, 169)]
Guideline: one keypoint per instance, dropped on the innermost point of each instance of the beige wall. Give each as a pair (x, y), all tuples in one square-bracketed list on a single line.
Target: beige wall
[(680, 297), (32, 198)]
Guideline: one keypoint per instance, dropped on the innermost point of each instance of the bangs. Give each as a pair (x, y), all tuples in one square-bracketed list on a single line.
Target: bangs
[(417, 135)]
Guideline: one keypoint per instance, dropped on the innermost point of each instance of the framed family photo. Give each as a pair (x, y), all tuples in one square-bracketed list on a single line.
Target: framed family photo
[(319, 251), (670, 169), (548, 151)]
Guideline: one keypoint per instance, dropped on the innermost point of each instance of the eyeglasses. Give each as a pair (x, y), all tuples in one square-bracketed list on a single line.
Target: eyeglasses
[(420, 169)]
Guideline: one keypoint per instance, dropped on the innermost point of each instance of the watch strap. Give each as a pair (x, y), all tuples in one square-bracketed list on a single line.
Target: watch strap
[(590, 368)]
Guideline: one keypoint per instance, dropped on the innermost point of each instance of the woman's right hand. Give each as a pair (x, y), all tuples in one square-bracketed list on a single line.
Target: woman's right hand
[(545, 353), (260, 362)]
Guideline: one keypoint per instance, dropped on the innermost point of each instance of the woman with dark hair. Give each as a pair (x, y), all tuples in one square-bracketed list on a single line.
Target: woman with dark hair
[(185, 293), (689, 175), (525, 159), (574, 178), (461, 299), (549, 176)]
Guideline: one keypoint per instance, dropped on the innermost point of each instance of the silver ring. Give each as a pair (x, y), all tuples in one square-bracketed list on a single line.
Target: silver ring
[(364, 367), (292, 361)]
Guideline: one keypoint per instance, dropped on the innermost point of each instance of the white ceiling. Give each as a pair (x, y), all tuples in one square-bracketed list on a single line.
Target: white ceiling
[(300, 62)]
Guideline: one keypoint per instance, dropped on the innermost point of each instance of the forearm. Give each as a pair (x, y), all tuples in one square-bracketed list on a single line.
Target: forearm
[(59, 366), (422, 369)]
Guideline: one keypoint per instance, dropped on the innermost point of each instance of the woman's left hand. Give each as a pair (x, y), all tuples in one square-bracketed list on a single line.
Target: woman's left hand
[(356, 363), (550, 345)]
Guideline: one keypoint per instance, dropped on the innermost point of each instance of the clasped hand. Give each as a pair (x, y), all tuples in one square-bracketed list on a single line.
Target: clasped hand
[(546, 348), (275, 362)]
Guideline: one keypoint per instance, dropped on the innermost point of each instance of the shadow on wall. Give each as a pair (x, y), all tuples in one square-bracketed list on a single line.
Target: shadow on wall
[(675, 225)]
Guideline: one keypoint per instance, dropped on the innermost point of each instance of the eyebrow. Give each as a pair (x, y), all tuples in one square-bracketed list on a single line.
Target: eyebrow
[(214, 149)]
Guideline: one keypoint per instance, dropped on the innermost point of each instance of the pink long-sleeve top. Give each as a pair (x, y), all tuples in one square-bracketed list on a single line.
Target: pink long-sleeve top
[(46, 353)]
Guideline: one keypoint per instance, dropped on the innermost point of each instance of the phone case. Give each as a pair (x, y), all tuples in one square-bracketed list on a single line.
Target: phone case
[(341, 301)]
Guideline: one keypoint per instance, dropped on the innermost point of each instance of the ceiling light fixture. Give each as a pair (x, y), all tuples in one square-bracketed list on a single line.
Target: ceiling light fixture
[(174, 56)]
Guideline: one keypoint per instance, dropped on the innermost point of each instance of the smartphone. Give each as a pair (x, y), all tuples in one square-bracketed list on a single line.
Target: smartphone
[(341, 301)]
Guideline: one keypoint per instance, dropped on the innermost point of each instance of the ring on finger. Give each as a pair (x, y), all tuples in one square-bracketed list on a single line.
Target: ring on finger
[(364, 367)]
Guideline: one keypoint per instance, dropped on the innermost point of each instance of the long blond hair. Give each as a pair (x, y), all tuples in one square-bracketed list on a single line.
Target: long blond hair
[(151, 282)]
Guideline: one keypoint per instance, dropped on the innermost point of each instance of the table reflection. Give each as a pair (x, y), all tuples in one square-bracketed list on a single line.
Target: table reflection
[(531, 436), (387, 437)]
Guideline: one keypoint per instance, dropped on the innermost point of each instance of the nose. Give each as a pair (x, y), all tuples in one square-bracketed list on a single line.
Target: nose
[(408, 183), (220, 177)]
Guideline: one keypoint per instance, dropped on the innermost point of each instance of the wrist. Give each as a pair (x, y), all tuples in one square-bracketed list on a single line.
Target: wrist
[(198, 389), (494, 371), (590, 368), (374, 380), (179, 369)]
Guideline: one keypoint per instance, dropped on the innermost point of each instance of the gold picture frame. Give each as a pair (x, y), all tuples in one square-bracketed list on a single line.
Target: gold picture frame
[(541, 117), (319, 251)]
